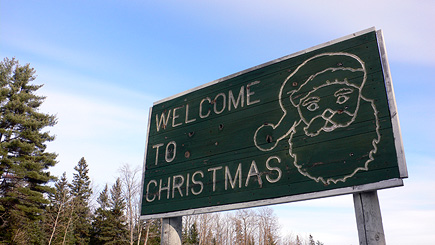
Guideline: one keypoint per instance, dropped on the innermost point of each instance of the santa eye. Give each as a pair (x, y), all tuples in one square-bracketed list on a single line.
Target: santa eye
[(313, 106), (342, 99), (342, 95), (311, 103)]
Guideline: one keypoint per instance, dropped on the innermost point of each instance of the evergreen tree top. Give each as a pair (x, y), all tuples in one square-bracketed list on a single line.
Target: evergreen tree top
[(81, 183), (22, 141), (103, 199), (117, 200), (24, 163)]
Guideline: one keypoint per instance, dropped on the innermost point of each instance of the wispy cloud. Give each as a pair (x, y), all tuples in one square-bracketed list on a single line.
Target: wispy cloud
[(404, 22), (99, 129)]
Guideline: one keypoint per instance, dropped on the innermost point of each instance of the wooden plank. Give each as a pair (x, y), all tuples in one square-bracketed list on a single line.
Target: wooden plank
[(392, 106), (171, 230), (294, 198), (368, 218)]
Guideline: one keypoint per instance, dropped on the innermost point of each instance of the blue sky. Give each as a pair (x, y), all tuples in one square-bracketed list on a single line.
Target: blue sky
[(104, 63)]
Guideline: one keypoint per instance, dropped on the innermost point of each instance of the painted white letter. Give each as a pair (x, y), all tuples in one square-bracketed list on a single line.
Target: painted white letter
[(228, 177), (197, 182), (253, 171), (214, 175), (200, 108), (175, 116), (187, 184), (157, 151), (162, 120), (165, 188), (148, 191), (273, 169), (240, 98), (224, 103), (187, 120), (249, 93), (168, 158), (177, 185)]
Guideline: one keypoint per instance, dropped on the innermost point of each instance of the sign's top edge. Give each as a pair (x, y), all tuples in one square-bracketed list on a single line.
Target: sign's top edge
[(269, 63)]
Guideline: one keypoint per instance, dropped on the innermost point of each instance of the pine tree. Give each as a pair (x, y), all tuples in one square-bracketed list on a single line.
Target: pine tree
[(117, 201), (101, 223), (81, 193), (109, 226), (24, 162), (193, 237)]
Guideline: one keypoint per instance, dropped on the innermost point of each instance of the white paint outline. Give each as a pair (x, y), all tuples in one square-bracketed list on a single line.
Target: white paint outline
[(327, 119), (365, 168), (292, 129), (280, 95)]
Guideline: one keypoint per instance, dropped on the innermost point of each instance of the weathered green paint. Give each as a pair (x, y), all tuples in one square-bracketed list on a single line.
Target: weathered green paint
[(245, 138)]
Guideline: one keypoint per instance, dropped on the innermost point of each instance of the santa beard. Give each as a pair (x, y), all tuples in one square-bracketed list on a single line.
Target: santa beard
[(320, 123), (337, 155)]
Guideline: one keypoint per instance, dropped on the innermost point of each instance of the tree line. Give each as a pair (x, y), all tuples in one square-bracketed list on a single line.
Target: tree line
[(241, 227), (39, 208)]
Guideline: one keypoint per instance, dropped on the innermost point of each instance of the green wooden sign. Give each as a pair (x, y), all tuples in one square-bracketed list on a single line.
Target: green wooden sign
[(317, 123)]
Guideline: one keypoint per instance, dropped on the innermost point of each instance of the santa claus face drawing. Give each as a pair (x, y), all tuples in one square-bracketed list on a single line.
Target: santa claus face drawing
[(321, 106), (326, 113)]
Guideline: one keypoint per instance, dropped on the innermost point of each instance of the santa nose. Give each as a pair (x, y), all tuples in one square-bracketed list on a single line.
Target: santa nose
[(328, 113)]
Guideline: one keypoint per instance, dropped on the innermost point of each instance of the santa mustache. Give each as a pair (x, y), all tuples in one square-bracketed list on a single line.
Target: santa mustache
[(328, 121)]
